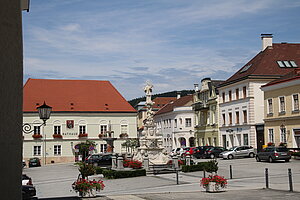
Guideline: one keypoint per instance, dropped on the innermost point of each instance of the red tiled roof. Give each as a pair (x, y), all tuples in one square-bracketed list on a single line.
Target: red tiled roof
[(295, 74), (74, 96), (264, 64), (177, 103), (159, 102)]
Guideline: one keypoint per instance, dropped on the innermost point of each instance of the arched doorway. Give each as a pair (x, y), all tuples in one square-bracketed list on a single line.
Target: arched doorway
[(182, 141), (192, 141)]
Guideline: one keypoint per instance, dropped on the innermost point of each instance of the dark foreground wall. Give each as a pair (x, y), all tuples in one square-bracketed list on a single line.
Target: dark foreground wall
[(11, 75)]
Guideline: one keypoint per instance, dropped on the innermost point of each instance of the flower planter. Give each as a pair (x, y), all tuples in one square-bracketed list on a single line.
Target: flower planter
[(57, 136), (37, 136), (91, 193), (213, 187), (82, 135)]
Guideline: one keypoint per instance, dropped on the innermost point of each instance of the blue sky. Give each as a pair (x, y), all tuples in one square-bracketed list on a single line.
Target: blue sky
[(171, 43)]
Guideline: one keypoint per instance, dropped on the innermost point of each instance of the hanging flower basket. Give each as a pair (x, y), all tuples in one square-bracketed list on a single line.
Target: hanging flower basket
[(214, 183), (123, 135), (37, 136), (270, 144), (101, 135), (57, 136), (81, 135)]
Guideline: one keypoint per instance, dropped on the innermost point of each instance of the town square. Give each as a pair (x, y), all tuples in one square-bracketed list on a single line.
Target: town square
[(150, 100)]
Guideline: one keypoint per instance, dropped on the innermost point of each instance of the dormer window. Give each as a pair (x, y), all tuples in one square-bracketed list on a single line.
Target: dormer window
[(245, 68), (286, 63)]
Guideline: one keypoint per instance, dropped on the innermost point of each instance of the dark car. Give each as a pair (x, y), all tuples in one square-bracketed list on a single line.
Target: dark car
[(103, 160), (199, 152), (274, 153), (34, 162), (28, 191), (214, 152)]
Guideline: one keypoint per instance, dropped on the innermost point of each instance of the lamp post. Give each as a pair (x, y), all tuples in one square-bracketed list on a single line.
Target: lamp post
[(44, 114)]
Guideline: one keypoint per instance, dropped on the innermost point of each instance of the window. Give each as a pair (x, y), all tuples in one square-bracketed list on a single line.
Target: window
[(283, 135), (245, 116), (237, 117), (214, 141), (180, 121), (286, 63), (37, 150), (230, 95), (124, 128), (175, 123), (245, 68), (270, 106), (271, 135), (57, 130), (224, 119), (295, 102), (230, 118), (103, 148), (237, 94), (57, 149), (170, 123), (103, 129), (246, 139), (82, 130), (281, 104), (223, 97), (188, 122), (244, 92), (37, 130)]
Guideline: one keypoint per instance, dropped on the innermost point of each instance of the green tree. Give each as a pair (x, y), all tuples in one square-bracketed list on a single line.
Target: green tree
[(130, 144), (84, 148)]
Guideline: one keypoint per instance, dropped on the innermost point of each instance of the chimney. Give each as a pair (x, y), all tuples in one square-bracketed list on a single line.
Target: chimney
[(196, 87), (266, 40), (178, 95)]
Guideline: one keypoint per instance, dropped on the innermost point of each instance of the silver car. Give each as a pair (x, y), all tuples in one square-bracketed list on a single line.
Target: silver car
[(238, 152)]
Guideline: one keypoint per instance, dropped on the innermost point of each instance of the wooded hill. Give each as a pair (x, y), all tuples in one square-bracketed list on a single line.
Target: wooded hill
[(135, 101)]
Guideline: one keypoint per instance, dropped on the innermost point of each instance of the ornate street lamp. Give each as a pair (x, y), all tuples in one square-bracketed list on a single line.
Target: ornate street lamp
[(44, 114)]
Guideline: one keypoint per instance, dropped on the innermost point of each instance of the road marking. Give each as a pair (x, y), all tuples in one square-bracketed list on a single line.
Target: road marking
[(125, 197)]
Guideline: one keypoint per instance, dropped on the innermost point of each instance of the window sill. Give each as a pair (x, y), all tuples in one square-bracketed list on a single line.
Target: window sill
[(270, 115), (295, 111), (281, 113)]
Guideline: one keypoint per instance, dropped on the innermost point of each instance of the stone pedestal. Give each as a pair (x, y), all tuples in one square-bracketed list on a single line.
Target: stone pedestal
[(120, 163)]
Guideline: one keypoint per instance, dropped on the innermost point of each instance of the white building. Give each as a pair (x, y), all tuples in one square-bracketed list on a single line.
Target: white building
[(81, 110), (241, 101), (175, 121)]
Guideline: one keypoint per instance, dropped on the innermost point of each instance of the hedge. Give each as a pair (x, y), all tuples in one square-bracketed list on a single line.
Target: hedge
[(209, 166), (114, 174), (295, 153)]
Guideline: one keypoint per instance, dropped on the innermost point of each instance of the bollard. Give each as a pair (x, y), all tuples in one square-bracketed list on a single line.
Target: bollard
[(175, 162), (267, 178), (290, 179), (204, 174), (146, 163), (177, 178), (188, 159), (113, 161), (120, 162), (230, 171)]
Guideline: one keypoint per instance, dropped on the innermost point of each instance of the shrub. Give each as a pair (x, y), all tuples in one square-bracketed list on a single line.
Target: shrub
[(209, 166), (113, 174), (135, 164), (85, 169), (99, 170), (126, 163), (295, 154)]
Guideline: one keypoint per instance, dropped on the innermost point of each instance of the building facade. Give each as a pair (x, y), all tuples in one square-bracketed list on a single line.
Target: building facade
[(282, 116), (206, 113), (241, 101), (82, 110), (175, 121)]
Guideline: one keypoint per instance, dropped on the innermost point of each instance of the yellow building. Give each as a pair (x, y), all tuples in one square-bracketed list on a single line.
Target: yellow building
[(206, 113), (281, 110)]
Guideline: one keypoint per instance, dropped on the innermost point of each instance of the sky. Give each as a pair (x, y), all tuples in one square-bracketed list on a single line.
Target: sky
[(170, 43)]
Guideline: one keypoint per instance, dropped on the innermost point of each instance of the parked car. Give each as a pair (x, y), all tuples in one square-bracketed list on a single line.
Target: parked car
[(214, 152), (28, 191), (34, 162), (23, 163), (103, 160), (26, 180), (238, 152), (274, 153), (200, 151)]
